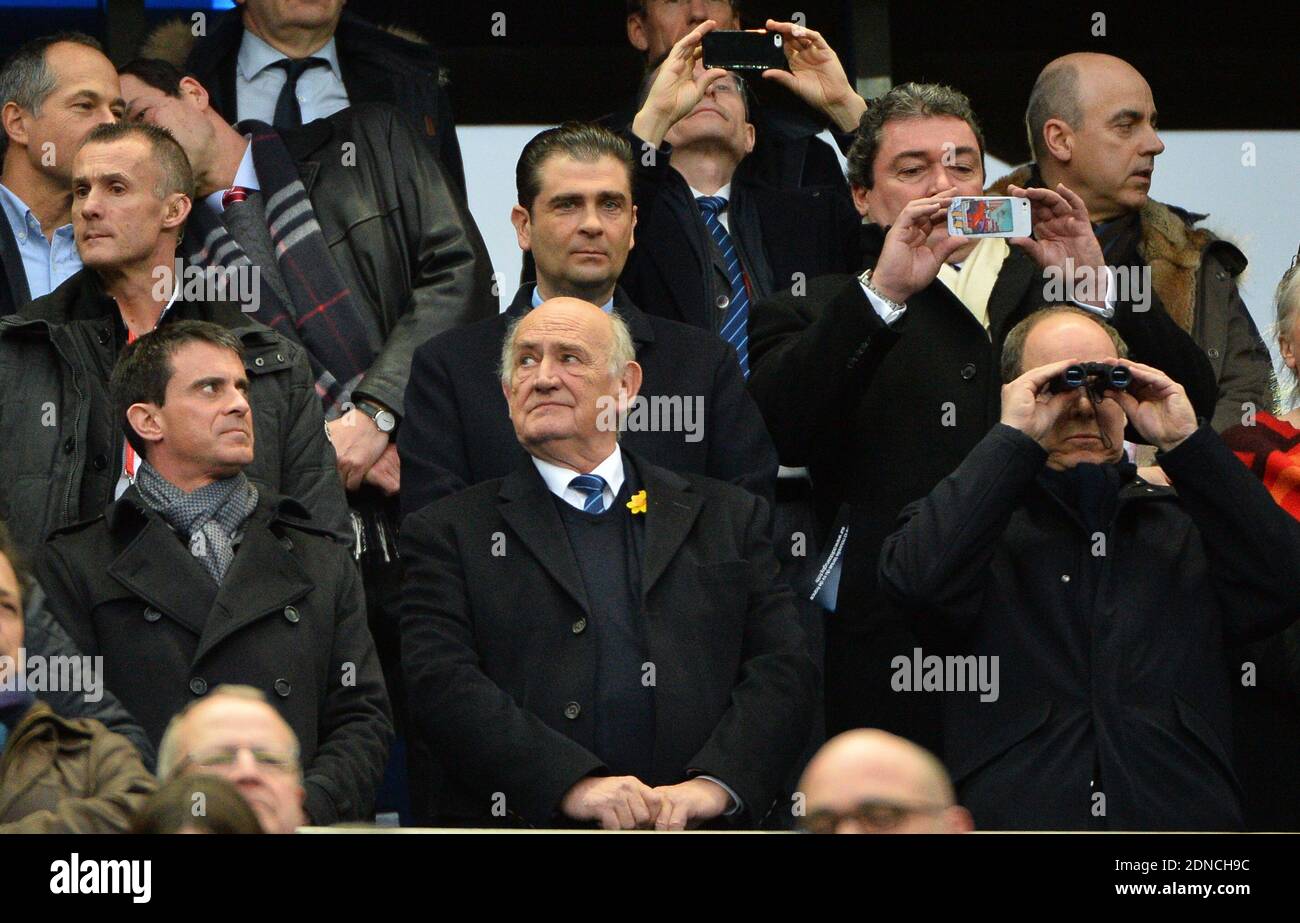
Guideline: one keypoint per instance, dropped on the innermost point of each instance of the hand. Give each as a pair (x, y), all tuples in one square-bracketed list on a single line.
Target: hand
[(1030, 407), (816, 75), (1154, 474), (1157, 406), (386, 474), (1062, 232), (916, 246), (618, 802), (358, 443), (677, 88), (690, 803)]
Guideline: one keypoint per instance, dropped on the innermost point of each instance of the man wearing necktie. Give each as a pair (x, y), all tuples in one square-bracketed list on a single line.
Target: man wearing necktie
[(712, 239), (594, 639)]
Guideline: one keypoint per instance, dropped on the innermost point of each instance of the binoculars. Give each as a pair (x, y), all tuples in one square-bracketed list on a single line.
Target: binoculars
[(1097, 376)]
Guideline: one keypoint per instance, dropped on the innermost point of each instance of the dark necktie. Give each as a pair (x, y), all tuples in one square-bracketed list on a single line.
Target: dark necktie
[(735, 326), (288, 114), (593, 485)]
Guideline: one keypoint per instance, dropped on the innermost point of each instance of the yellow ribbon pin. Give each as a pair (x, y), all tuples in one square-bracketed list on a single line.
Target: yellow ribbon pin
[(637, 503)]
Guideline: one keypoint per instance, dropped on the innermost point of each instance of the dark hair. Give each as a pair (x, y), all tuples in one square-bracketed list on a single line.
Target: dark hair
[(17, 560), (638, 6), (906, 101), (25, 78), (176, 173), (145, 368), (157, 73), (1013, 347), (1055, 96), (582, 141), (174, 807)]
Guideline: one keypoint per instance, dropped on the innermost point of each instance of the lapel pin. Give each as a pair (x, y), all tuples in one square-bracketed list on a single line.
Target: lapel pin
[(637, 503)]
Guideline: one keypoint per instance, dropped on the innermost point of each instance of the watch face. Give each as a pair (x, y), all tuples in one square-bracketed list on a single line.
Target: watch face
[(385, 421)]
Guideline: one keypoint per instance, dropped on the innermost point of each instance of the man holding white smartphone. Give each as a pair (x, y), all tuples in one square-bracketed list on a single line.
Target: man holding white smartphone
[(882, 383)]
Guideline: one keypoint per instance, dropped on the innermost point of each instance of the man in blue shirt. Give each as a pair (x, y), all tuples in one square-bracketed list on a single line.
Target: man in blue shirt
[(53, 91)]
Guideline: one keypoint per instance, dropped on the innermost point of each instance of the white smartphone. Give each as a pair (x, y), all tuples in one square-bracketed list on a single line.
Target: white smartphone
[(989, 216)]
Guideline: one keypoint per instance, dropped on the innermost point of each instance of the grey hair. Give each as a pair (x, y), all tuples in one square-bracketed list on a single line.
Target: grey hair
[(169, 750), (1055, 96), (906, 101), (1287, 301), (620, 353), (26, 78), (1013, 347)]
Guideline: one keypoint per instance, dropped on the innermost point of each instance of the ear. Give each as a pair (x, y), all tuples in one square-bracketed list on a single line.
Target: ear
[(631, 235), (522, 221), (176, 210), (505, 389), (1287, 350), (749, 137), (860, 194), (11, 118), (636, 32), (1058, 137), (630, 384), (145, 421), (193, 91)]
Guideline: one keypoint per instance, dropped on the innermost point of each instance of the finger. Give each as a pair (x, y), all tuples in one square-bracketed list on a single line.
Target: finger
[(641, 815), (664, 815), (783, 77), (695, 36), (709, 78), (623, 811), (1038, 377), (1031, 247), (947, 246), (1072, 198), (681, 814), (608, 819)]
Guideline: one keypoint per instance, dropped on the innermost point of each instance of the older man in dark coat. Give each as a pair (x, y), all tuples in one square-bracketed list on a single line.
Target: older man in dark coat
[(196, 577), (1093, 609), (595, 639)]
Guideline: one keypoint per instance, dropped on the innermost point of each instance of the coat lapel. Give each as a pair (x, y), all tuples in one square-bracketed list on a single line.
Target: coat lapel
[(1017, 274), (158, 569), (528, 509), (264, 577), (671, 510)]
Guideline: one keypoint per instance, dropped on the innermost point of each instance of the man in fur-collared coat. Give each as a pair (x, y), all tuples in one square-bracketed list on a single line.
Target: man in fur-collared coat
[(1092, 125)]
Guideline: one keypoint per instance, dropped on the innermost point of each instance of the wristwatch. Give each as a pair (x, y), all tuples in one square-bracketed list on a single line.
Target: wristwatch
[(384, 419)]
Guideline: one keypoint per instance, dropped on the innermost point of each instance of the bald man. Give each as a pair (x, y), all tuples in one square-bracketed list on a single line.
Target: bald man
[(1103, 603), (1092, 125), (594, 639), (870, 781)]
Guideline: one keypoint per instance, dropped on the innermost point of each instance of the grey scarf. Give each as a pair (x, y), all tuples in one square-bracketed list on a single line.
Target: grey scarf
[(211, 518)]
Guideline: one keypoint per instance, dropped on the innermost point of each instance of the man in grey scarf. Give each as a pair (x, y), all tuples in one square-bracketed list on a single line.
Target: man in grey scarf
[(195, 578)]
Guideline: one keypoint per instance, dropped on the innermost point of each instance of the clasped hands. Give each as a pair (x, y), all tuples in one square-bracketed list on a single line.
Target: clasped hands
[(627, 803)]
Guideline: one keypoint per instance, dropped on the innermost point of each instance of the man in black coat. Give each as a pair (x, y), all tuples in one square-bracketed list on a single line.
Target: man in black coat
[(712, 241), (196, 577), (366, 64), (1100, 606), (576, 216), (881, 384), (594, 638)]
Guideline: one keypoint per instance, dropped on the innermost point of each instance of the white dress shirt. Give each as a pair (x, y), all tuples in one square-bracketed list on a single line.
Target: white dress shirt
[(258, 84), (245, 176), (557, 480), (725, 192)]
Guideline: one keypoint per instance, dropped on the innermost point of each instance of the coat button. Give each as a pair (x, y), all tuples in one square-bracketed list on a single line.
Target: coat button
[(259, 362), (579, 626), (198, 685), (286, 543), (291, 614), (1065, 578), (1214, 353), (103, 336), (571, 710), (968, 371), (279, 357), (723, 302), (282, 688), (68, 445), (152, 615), (1221, 275), (99, 462)]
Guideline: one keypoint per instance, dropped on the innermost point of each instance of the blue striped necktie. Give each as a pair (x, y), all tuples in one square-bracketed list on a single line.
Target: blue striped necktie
[(593, 485), (735, 326)]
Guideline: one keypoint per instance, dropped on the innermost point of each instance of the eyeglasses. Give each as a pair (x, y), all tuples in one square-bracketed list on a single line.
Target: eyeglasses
[(222, 757), (874, 815)]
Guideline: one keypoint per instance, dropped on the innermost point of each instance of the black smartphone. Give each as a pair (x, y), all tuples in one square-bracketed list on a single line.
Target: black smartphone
[(744, 51)]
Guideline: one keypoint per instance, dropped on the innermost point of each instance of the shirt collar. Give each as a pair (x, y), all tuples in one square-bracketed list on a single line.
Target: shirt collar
[(256, 56), (557, 478), (19, 216), (606, 307), (724, 192)]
